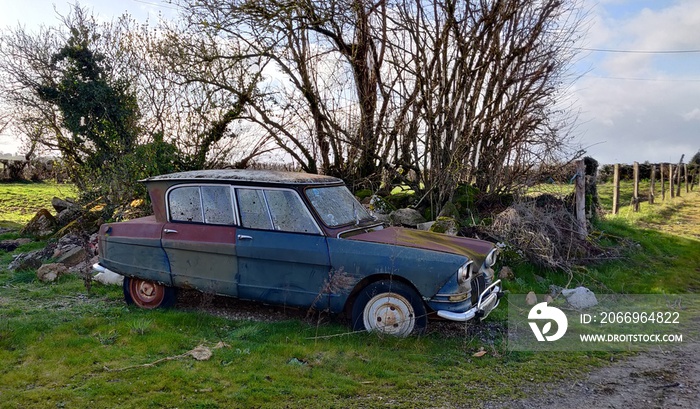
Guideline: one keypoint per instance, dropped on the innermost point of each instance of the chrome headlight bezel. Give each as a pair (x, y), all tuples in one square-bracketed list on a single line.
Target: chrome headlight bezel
[(491, 258), (464, 273)]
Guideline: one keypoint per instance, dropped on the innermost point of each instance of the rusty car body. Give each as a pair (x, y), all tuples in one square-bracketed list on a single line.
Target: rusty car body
[(299, 240)]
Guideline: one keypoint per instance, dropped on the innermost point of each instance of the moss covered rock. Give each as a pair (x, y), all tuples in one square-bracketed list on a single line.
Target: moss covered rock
[(445, 225)]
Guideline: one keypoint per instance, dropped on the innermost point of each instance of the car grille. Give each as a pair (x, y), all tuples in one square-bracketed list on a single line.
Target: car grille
[(478, 285)]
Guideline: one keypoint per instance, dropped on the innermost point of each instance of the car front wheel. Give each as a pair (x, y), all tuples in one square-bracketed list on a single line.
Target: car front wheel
[(389, 307), (147, 294)]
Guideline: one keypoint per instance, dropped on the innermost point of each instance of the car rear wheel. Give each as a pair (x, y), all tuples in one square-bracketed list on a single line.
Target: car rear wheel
[(147, 294), (389, 307)]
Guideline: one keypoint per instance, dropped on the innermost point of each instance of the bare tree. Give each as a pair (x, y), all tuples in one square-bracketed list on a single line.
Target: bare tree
[(485, 77), (456, 91)]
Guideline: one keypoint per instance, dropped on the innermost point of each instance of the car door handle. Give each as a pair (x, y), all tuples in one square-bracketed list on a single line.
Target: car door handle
[(244, 237), (168, 231)]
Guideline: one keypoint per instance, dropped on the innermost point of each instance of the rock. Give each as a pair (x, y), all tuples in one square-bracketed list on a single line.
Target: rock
[(531, 298), (506, 273), (11, 245), (445, 225), (406, 217), (72, 228), (50, 272), (93, 244), (32, 260), (26, 261), (73, 256), (539, 279), (580, 298), (61, 204), (548, 298), (66, 216), (449, 210), (84, 268), (555, 290), (380, 217), (42, 225), (424, 226)]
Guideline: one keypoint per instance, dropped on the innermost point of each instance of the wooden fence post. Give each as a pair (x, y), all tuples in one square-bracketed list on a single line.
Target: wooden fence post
[(685, 169), (635, 198), (616, 189), (663, 182), (670, 180), (651, 184), (581, 198), (678, 180)]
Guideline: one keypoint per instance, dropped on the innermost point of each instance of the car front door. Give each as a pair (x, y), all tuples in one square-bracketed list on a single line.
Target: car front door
[(200, 239), (282, 254)]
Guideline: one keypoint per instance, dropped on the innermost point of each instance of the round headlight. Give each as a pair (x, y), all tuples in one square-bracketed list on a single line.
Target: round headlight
[(464, 273), (491, 258)]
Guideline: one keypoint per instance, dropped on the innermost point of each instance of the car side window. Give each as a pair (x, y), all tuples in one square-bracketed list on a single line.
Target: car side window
[(288, 212), (253, 210), (185, 204), (217, 204), (201, 204)]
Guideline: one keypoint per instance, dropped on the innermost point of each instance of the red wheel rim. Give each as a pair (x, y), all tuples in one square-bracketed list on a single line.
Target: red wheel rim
[(146, 294)]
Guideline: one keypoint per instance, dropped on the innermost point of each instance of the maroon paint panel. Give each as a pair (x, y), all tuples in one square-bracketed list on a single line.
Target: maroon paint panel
[(133, 248), (144, 227), (472, 248)]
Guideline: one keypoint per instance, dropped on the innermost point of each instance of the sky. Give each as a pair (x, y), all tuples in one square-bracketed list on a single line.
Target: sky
[(638, 89)]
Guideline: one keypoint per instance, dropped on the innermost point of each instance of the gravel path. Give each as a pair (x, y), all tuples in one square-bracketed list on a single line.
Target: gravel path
[(656, 379)]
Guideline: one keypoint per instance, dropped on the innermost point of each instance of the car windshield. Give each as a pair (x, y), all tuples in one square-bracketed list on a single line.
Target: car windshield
[(337, 206)]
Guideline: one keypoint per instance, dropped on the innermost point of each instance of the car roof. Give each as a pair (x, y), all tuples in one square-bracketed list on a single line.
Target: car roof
[(248, 175)]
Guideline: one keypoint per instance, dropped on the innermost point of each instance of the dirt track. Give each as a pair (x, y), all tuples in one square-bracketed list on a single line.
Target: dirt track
[(658, 379)]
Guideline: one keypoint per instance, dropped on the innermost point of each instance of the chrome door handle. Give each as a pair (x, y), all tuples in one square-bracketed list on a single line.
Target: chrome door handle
[(168, 231), (244, 237)]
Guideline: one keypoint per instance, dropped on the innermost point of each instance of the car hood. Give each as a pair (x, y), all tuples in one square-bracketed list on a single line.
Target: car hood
[(473, 248)]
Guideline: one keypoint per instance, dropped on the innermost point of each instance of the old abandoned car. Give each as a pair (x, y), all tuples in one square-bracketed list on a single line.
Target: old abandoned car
[(299, 240)]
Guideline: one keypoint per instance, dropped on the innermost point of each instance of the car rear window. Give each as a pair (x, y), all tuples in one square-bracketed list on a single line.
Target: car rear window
[(185, 204), (201, 204)]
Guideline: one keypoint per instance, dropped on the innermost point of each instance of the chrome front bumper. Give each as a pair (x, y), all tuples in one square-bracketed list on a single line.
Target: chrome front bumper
[(483, 307)]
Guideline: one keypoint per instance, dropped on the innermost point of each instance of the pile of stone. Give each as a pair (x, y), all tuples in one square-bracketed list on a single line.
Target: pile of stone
[(72, 247), (72, 253)]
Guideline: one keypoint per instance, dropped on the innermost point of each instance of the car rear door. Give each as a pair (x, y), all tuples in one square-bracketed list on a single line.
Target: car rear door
[(200, 238), (282, 253)]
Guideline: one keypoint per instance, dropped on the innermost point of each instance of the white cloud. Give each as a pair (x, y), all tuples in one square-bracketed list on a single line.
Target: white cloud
[(638, 107), (693, 115)]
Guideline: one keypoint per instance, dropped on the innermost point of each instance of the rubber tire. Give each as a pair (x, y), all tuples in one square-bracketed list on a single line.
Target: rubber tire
[(388, 288), (165, 300)]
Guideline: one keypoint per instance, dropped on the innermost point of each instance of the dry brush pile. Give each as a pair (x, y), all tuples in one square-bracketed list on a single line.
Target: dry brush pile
[(544, 230)]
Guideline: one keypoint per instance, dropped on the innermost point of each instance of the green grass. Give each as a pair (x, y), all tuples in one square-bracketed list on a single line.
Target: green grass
[(19, 202), (63, 347)]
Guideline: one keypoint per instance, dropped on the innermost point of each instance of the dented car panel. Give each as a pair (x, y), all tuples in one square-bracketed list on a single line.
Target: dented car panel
[(134, 248), (283, 268), (298, 240), (202, 257), (426, 270)]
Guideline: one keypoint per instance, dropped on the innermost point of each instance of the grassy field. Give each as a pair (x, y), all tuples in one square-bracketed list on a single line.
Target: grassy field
[(19, 202), (61, 346)]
